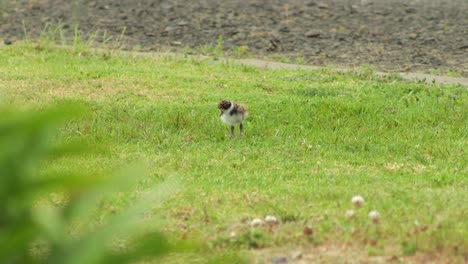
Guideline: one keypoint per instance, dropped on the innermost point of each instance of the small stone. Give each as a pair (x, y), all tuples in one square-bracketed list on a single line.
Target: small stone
[(297, 255), (374, 216), (322, 6), (358, 201), (312, 34), (280, 260), (350, 214), (150, 34), (284, 28), (270, 219), (411, 10), (381, 12), (176, 43), (307, 231), (256, 222), (169, 28), (413, 35), (7, 42)]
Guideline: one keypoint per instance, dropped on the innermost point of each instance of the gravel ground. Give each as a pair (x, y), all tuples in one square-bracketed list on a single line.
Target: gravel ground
[(391, 35)]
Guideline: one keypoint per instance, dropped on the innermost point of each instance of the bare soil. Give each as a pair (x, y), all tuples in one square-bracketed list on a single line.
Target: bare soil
[(391, 35), (332, 253)]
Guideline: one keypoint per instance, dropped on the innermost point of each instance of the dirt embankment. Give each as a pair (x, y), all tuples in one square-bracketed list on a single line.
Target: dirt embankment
[(392, 35)]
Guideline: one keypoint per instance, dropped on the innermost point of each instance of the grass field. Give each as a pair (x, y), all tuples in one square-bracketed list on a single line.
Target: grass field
[(313, 139)]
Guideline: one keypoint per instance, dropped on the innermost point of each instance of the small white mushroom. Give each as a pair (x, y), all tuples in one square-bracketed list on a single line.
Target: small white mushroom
[(350, 214), (270, 219), (358, 201), (256, 222), (232, 235), (374, 216)]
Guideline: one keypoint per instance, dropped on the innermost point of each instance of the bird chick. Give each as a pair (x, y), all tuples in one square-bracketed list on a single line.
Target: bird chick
[(233, 114)]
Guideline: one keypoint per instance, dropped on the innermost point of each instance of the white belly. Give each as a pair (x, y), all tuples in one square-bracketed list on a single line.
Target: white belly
[(232, 119)]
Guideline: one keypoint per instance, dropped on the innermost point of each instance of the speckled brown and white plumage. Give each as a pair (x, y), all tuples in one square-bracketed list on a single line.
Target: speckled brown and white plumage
[(232, 114)]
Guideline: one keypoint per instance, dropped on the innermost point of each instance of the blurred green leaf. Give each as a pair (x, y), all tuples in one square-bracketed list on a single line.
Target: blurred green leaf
[(27, 140)]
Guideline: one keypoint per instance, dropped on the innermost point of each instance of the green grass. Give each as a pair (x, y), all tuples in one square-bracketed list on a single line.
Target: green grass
[(446, 72), (313, 140)]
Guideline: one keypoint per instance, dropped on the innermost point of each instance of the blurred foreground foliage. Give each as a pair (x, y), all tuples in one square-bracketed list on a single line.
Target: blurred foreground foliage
[(27, 141)]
